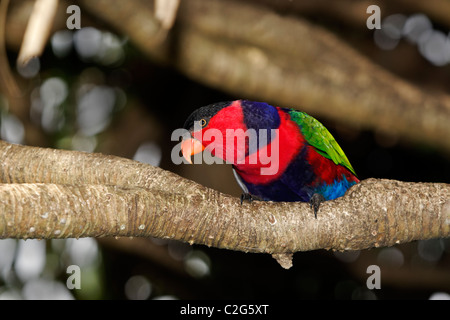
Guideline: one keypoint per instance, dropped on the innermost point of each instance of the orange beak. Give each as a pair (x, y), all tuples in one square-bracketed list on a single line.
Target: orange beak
[(191, 146)]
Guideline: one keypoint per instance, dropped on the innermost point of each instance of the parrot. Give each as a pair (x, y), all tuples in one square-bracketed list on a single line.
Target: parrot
[(277, 154)]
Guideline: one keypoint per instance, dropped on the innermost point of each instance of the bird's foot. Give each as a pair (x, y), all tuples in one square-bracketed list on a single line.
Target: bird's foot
[(247, 196), (315, 202)]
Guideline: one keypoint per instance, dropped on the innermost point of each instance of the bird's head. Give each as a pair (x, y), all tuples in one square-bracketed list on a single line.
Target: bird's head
[(208, 128), (223, 129)]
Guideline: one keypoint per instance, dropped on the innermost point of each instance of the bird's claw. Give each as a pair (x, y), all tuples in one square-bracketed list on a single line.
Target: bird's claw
[(315, 202), (249, 197)]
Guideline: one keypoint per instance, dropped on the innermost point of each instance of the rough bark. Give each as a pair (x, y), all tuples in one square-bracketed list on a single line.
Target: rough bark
[(48, 194)]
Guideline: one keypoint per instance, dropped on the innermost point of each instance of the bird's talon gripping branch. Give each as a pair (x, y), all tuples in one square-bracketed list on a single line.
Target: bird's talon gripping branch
[(247, 196), (315, 202)]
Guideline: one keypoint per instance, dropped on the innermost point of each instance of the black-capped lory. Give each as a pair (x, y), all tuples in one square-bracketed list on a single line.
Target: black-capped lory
[(277, 154)]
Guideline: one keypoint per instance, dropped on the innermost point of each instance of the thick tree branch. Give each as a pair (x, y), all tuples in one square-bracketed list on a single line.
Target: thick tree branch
[(59, 194)]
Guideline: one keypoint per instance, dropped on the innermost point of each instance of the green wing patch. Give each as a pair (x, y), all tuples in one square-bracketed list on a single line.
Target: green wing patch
[(320, 138)]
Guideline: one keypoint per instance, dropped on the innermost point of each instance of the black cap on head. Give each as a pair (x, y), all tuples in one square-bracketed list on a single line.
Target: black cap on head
[(206, 112)]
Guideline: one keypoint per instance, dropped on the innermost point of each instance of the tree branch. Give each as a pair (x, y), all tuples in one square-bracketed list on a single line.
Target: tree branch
[(50, 194), (38, 30)]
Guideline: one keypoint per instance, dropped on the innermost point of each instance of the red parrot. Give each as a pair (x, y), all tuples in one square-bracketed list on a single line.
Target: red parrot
[(277, 154)]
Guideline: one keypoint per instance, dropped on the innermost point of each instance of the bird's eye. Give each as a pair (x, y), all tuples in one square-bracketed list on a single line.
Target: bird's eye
[(203, 122)]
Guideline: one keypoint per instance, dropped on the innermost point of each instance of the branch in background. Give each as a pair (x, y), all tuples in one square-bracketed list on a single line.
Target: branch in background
[(38, 30), (7, 80), (166, 12), (252, 52), (15, 88), (437, 9), (50, 194), (353, 12)]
